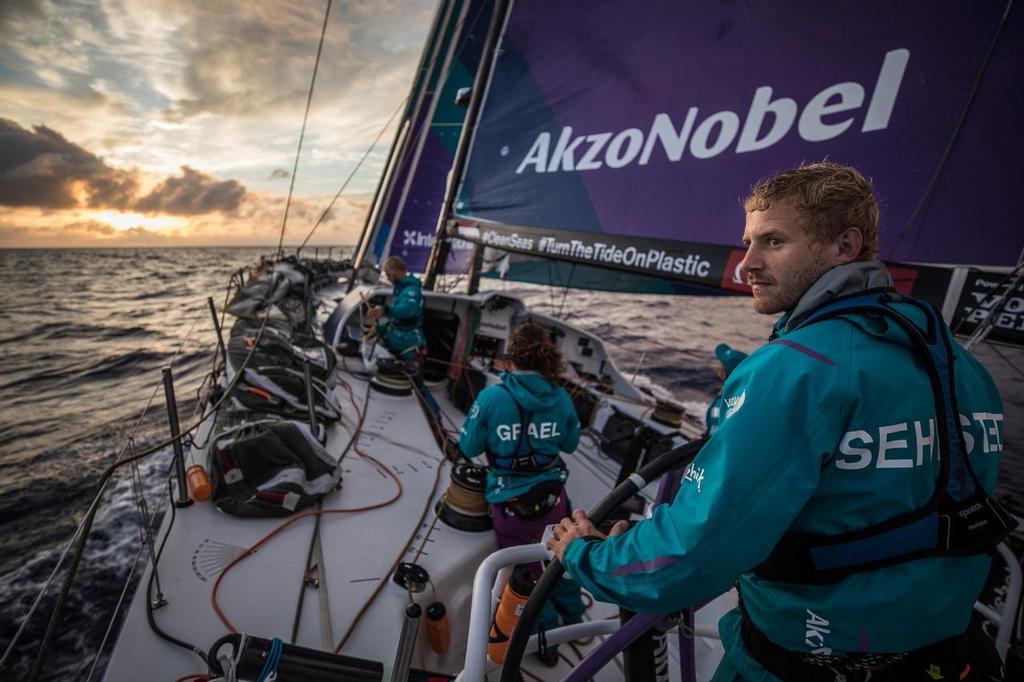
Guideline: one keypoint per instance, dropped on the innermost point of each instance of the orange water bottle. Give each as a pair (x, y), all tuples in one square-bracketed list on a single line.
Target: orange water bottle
[(437, 628), (198, 483), (510, 608)]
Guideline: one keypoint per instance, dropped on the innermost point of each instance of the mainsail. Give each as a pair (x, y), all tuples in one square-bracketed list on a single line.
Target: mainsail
[(624, 137)]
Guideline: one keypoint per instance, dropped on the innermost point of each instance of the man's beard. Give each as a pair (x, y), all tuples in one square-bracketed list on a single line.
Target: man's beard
[(785, 294)]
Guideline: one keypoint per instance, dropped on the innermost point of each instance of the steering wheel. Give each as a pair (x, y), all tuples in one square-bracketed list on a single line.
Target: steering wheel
[(672, 459)]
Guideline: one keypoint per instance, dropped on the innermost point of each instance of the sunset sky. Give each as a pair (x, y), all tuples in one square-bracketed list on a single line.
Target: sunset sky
[(175, 122)]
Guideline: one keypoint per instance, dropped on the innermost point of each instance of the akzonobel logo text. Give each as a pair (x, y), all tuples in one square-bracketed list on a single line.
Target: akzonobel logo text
[(673, 133)]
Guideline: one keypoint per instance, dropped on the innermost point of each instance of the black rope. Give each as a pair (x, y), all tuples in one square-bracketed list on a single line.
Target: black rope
[(302, 133), (956, 132), (150, 606)]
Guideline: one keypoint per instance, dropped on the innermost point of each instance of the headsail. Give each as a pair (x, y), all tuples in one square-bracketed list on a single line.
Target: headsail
[(623, 137), (414, 197)]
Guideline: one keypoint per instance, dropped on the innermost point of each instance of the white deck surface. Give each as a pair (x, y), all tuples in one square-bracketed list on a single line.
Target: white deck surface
[(260, 594)]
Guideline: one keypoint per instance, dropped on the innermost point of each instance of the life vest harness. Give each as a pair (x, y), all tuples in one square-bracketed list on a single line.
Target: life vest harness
[(524, 459), (404, 325), (960, 519)]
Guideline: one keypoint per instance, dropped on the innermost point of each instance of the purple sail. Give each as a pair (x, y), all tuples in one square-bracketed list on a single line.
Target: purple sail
[(626, 135)]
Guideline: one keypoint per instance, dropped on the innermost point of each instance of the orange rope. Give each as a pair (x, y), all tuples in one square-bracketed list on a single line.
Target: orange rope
[(266, 538), (394, 564)]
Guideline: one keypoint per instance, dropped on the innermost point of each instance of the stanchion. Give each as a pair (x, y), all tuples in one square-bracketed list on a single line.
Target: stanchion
[(216, 327), (182, 499)]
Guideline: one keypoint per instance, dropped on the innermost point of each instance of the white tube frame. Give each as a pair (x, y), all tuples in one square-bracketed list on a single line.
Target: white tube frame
[(484, 602), (1005, 618), (486, 594)]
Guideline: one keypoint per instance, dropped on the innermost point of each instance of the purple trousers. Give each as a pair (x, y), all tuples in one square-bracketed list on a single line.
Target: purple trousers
[(565, 600), (513, 531)]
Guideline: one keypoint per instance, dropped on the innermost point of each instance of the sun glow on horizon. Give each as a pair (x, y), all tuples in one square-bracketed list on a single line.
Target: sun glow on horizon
[(123, 221)]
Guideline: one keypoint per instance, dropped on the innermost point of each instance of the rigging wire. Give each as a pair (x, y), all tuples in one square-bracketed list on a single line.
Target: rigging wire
[(145, 533), (1007, 360), (107, 474), (565, 291), (302, 133), (956, 131), (323, 216), (79, 539)]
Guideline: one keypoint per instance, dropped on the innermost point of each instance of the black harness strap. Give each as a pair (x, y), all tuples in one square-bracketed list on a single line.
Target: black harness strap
[(403, 325)]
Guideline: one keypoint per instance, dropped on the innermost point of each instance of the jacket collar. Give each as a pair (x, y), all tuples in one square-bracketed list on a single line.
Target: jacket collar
[(843, 280)]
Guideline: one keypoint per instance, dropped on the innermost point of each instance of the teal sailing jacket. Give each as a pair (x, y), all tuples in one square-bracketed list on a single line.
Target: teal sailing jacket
[(492, 429), (404, 326), (826, 429)]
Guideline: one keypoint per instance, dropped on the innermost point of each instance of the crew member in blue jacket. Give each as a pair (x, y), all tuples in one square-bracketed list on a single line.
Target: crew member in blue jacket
[(728, 360), (516, 429), (829, 428), (402, 330)]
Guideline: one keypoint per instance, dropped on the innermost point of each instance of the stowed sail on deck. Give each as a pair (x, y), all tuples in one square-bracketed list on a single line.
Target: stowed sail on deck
[(623, 137)]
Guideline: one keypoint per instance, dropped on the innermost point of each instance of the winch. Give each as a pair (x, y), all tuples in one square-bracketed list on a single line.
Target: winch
[(463, 506), (393, 377)]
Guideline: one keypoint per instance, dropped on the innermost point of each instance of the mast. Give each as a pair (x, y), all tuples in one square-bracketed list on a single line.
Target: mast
[(396, 156), (439, 250)]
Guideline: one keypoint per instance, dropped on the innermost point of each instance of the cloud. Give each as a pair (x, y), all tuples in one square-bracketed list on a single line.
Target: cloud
[(39, 167), (256, 60), (88, 227), (194, 193), (128, 92)]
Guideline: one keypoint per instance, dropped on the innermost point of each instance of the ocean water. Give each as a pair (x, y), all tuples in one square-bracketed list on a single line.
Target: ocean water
[(83, 337)]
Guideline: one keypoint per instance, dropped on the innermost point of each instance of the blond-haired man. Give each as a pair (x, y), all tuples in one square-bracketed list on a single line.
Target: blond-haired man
[(832, 492)]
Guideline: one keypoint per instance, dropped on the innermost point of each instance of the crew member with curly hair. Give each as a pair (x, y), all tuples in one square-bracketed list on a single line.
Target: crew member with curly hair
[(517, 430)]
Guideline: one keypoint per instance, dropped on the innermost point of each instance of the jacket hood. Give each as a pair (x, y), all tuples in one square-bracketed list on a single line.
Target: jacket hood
[(532, 391), (845, 280)]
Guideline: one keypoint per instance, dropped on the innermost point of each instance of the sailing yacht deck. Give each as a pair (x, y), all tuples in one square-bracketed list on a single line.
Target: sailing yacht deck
[(365, 528)]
